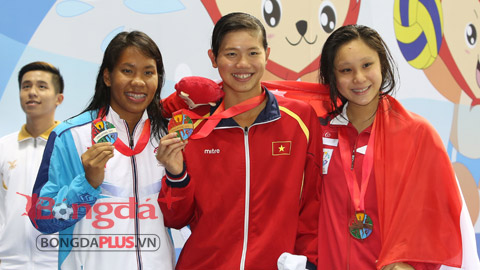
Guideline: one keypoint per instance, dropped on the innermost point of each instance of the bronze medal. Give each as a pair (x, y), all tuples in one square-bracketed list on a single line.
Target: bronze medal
[(360, 226)]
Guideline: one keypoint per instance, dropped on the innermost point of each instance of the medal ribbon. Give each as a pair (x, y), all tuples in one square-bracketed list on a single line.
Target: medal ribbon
[(357, 194), (142, 142), (220, 113)]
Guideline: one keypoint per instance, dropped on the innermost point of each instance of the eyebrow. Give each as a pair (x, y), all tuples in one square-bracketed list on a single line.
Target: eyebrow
[(127, 64), (132, 65), (367, 58), (248, 49), (29, 81), (476, 15)]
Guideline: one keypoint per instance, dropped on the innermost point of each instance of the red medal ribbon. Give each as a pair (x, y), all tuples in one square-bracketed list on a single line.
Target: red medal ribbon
[(142, 142), (357, 194), (220, 113)]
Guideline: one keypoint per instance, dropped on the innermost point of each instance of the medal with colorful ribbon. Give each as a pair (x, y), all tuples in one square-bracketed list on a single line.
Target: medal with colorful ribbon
[(104, 131), (221, 113), (360, 224)]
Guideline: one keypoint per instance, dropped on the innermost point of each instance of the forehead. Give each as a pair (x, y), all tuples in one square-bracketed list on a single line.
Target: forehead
[(244, 37), (355, 50), (37, 75), (135, 56)]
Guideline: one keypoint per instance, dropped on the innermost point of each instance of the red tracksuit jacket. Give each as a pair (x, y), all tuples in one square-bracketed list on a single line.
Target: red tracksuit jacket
[(250, 193)]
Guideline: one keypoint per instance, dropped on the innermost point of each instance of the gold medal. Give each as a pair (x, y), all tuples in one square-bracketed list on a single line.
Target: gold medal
[(181, 124)]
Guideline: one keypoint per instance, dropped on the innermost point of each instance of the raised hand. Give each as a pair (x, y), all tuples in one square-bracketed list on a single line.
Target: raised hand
[(94, 160), (169, 153)]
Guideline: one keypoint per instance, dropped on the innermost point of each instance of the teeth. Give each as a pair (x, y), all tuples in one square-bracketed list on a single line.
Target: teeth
[(360, 90), (242, 76), (136, 96)]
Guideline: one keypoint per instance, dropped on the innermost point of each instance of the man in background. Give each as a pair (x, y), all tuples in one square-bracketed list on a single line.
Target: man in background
[(41, 91)]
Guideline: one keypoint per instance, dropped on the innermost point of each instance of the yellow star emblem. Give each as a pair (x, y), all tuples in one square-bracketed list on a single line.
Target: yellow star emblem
[(281, 148)]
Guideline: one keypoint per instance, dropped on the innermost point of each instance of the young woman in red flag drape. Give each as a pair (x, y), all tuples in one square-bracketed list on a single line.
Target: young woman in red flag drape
[(389, 197)]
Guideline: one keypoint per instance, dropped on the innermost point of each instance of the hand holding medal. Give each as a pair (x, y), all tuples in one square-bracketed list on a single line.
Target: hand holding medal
[(94, 160), (169, 151)]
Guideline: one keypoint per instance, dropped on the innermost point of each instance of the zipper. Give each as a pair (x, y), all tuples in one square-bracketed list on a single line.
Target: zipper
[(131, 141), (247, 199), (353, 153), (135, 194)]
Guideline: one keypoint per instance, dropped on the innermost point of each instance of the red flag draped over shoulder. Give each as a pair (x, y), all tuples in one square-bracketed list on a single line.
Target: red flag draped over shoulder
[(419, 203), (317, 95)]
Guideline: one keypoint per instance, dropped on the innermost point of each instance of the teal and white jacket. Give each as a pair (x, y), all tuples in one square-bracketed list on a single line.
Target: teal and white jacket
[(118, 225)]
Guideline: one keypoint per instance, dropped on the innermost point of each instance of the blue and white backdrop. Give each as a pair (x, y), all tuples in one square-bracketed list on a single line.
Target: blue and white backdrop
[(434, 42)]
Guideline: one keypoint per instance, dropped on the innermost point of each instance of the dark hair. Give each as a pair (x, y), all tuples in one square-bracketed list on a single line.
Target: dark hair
[(373, 40), (234, 22), (141, 41), (57, 79)]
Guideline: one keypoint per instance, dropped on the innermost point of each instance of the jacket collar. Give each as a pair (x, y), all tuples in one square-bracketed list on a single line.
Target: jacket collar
[(24, 134), (342, 118), (114, 118), (271, 112)]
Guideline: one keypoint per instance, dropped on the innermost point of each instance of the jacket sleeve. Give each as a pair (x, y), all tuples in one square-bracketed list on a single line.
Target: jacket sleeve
[(60, 180), (307, 233), (176, 199)]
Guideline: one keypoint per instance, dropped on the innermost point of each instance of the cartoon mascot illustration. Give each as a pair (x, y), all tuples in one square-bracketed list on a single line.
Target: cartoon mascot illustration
[(296, 30), (441, 38)]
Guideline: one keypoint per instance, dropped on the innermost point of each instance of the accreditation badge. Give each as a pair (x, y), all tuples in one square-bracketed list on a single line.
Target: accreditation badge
[(327, 156)]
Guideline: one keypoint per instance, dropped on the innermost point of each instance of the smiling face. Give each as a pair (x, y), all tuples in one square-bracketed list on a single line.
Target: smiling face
[(133, 82), (241, 63), (462, 23), (38, 96), (358, 74)]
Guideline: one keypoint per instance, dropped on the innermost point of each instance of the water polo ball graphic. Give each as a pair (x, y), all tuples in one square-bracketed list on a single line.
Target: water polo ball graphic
[(419, 30)]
